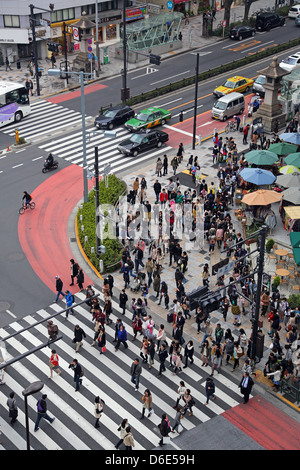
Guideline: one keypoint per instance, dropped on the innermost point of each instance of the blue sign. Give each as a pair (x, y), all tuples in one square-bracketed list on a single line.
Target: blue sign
[(170, 5), (90, 56)]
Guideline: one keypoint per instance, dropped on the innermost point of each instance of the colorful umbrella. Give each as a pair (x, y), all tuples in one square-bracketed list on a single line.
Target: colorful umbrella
[(282, 148), (261, 157), (291, 180), (257, 176), (292, 195), (293, 159), (286, 170), (291, 137), (262, 197)]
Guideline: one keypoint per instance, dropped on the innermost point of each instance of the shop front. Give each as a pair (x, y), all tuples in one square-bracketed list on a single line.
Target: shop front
[(108, 26)]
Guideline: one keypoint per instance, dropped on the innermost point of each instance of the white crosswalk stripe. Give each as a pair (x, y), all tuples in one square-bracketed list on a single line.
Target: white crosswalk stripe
[(107, 375), (70, 149), (45, 118)]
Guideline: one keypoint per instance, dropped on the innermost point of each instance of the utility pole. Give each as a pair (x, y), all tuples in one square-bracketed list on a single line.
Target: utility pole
[(195, 102), (97, 199), (35, 58), (260, 271), (97, 40), (124, 92), (66, 52)]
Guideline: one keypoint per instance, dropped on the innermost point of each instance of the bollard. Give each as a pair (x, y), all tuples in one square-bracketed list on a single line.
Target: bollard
[(17, 136)]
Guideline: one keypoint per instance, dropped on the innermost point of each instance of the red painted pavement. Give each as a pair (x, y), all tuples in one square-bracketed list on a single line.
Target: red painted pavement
[(76, 94), (204, 126), (43, 232), (265, 424)]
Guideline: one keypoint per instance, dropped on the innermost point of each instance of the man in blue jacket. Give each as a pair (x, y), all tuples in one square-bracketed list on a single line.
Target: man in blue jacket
[(69, 299), (122, 337)]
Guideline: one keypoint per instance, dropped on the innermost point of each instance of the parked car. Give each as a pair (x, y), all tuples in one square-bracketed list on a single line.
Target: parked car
[(267, 21), (297, 20), (290, 63), (114, 116), (294, 11), (241, 32), (142, 141), (258, 85)]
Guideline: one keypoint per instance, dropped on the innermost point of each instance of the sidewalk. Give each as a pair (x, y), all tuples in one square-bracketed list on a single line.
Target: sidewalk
[(191, 39)]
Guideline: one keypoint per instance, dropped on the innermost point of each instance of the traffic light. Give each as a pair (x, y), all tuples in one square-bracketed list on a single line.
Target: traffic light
[(211, 304), (154, 59)]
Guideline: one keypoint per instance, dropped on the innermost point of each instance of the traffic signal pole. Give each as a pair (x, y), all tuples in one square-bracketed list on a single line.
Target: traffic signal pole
[(195, 102), (97, 199)]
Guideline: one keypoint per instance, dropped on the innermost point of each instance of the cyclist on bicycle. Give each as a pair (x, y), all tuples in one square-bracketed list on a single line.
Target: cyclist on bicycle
[(27, 197)]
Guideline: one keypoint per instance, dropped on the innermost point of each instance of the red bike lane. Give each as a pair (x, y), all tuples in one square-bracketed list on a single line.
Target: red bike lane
[(43, 232)]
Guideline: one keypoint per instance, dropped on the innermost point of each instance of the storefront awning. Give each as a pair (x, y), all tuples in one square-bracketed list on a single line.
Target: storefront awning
[(295, 239), (296, 253)]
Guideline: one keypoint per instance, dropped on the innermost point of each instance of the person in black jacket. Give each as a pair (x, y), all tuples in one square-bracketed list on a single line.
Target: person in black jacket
[(80, 279), (42, 412), (79, 334), (74, 270), (164, 428), (123, 299), (189, 353), (246, 385), (59, 288), (162, 356), (78, 373)]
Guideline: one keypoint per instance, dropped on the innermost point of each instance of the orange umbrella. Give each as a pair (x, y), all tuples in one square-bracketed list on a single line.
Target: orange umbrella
[(262, 197)]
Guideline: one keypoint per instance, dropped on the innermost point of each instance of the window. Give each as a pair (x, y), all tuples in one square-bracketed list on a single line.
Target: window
[(17, 96), (11, 21), (63, 15)]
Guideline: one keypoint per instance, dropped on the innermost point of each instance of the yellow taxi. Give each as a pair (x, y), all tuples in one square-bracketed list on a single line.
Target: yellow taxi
[(237, 84)]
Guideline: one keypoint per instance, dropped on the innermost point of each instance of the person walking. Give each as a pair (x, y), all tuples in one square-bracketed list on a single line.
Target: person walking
[(78, 373), (79, 334), (54, 363), (164, 428), (165, 165), (122, 431), (135, 372), (42, 412), (53, 60), (245, 134), (102, 340), (12, 408), (128, 439), (74, 271), (69, 299), (98, 410), (59, 288), (162, 356), (245, 386), (122, 338), (174, 164), (189, 403), (7, 64), (217, 359), (177, 424), (147, 403), (180, 391), (209, 390), (80, 279), (123, 299), (189, 353)]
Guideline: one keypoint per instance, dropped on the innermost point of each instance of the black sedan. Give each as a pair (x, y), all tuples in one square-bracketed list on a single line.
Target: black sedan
[(114, 116), (242, 32), (142, 141)]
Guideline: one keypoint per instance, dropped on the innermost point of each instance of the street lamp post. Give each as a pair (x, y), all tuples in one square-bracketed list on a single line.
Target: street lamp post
[(33, 388), (195, 102), (81, 74)]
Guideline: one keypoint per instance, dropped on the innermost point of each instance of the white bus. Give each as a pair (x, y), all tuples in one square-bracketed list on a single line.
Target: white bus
[(14, 102)]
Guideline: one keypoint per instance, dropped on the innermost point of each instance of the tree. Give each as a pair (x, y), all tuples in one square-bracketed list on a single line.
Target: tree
[(248, 4), (227, 7)]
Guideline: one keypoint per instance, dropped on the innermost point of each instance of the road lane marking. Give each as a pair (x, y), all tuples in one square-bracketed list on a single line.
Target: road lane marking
[(166, 104), (229, 45), (38, 158), (260, 45), (245, 45), (178, 130), (16, 166), (170, 78)]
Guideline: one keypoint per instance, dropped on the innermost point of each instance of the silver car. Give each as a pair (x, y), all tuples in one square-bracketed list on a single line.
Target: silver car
[(258, 85)]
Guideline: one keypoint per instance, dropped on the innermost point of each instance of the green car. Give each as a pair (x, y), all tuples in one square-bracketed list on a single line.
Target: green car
[(148, 118)]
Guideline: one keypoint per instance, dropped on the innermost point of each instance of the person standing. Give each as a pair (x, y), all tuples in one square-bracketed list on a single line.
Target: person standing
[(245, 134), (165, 165), (42, 412), (246, 385), (128, 439), (122, 431), (98, 410), (135, 372), (53, 60), (31, 87), (180, 152), (54, 363), (209, 390), (78, 373), (123, 299), (59, 286), (79, 334), (147, 403), (74, 270), (12, 408)]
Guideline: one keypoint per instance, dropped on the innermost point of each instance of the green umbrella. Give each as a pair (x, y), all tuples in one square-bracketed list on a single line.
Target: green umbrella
[(261, 157), (296, 253), (295, 239), (283, 148), (293, 159)]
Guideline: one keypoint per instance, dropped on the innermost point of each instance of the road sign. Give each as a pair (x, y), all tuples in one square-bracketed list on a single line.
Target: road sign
[(90, 56), (106, 169), (170, 5), (224, 24), (75, 33), (90, 48), (89, 41)]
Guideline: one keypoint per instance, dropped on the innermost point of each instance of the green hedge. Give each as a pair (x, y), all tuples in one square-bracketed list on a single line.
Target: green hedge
[(294, 301), (109, 195)]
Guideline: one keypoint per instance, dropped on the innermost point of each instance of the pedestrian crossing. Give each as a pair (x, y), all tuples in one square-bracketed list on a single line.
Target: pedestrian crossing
[(106, 375), (70, 149), (45, 118)]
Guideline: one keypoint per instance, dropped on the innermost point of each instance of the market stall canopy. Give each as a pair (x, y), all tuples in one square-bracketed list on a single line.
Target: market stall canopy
[(262, 197), (291, 137), (283, 148), (296, 253), (295, 239), (261, 157), (257, 176), (291, 195), (293, 159), (291, 180), (286, 170)]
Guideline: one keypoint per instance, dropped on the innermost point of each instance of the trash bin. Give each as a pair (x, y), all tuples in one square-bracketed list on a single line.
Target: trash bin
[(18, 65)]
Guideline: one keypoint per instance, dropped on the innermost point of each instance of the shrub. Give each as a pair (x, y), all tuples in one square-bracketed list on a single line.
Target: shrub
[(294, 301), (110, 195)]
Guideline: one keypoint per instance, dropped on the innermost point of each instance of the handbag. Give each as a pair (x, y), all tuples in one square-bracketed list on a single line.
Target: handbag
[(180, 428), (166, 440), (103, 349)]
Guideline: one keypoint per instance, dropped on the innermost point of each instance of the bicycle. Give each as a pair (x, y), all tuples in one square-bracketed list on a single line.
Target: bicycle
[(231, 126), (26, 206)]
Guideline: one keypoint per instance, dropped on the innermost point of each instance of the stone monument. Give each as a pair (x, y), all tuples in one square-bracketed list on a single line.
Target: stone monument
[(82, 60), (270, 111)]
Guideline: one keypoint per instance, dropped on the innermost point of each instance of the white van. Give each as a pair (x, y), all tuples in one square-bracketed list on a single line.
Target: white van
[(228, 106)]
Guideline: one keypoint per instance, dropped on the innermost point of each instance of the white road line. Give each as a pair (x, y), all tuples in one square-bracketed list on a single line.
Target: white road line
[(170, 78), (178, 130), (260, 45), (240, 42), (170, 102), (16, 166), (38, 158), (10, 313)]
